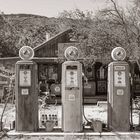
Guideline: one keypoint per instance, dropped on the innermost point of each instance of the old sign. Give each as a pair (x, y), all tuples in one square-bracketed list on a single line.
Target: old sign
[(6, 73)]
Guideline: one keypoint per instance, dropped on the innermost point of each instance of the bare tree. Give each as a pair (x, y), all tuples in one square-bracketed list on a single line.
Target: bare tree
[(128, 21)]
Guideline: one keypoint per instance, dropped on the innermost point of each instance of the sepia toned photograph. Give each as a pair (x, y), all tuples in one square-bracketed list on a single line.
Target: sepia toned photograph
[(69, 69)]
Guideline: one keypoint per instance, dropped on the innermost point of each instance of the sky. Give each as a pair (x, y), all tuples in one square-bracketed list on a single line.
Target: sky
[(52, 8)]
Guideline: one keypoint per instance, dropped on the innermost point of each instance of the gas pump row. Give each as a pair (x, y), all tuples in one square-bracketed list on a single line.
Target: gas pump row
[(71, 91)]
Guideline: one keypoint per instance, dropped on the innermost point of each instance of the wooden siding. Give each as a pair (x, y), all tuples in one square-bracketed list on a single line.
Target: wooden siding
[(50, 47)]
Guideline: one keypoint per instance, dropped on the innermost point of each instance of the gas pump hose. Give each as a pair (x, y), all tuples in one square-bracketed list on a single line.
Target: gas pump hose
[(131, 99), (83, 103)]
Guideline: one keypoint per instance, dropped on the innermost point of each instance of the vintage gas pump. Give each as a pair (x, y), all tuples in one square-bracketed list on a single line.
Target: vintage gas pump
[(26, 91), (72, 92), (118, 92)]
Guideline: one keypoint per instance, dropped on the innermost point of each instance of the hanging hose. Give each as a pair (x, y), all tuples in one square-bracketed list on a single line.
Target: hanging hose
[(83, 102), (131, 102), (131, 93)]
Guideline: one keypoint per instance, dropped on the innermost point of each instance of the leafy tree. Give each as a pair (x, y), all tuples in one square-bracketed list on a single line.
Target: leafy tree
[(109, 28), (24, 30), (7, 39), (98, 32)]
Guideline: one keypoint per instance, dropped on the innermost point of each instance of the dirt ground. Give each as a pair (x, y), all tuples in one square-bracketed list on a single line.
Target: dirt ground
[(96, 112)]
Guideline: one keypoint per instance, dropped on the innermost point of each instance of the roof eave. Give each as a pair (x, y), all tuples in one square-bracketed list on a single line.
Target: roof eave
[(52, 38)]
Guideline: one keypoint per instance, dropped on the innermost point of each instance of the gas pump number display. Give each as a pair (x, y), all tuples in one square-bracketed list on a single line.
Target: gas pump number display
[(71, 77), (25, 78)]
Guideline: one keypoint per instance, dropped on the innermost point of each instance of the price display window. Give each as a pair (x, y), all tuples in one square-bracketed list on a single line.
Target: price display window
[(25, 76), (71, 76)]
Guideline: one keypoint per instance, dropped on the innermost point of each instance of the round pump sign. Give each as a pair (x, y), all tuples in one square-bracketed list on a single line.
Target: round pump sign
[(71, 53), (26, 53), (118, 53)]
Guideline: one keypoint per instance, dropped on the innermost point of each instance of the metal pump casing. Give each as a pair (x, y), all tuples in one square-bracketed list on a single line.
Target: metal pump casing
[(72, 114), (118, 93)]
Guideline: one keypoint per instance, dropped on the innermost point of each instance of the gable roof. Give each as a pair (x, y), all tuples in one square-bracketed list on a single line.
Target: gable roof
[(63, 33), (46, 43)]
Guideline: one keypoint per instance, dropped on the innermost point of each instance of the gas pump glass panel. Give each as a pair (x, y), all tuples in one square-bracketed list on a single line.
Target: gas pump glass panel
[(71, 76), (25, 78), (119, 76)]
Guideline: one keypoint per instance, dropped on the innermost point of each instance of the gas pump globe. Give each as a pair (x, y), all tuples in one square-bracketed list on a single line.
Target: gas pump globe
[(118, 53), (71, 53), (26, 53)]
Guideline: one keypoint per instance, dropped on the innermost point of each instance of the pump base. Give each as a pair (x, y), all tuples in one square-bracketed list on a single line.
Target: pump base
[(76, 136)]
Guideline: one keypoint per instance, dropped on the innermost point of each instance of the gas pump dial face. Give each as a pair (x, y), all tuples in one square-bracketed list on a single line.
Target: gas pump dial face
[(26, 53), (71, 53), (118, 53)]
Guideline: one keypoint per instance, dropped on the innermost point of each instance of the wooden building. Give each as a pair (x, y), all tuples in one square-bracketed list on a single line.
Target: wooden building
[(49, 57)]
